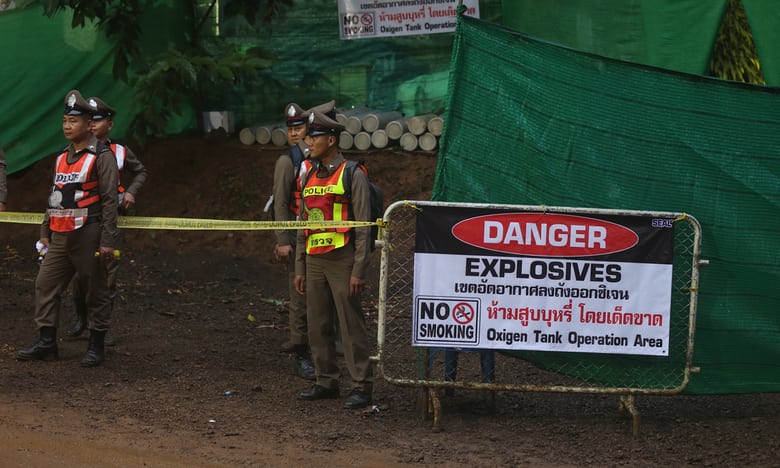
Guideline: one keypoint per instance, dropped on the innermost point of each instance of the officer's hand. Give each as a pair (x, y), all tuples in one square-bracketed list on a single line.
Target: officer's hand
[(106, 254), (300, 284), (44, 241), (356, 285), (283, 252), (128, 200)]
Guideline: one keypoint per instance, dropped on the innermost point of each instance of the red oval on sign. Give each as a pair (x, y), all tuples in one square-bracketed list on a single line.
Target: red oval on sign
[(545, 234)]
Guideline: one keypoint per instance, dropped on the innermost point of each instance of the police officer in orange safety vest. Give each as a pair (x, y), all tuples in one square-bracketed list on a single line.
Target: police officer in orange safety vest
[(80, 231), (127, 163), (331, 265)]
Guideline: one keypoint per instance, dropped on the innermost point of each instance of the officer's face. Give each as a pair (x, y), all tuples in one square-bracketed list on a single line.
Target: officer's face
[(101, 128), (318, 144), (75, 127), (295, 134)]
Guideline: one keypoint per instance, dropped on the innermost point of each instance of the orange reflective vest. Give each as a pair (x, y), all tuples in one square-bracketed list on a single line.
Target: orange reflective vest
[(324, 200), (75, 193), (119, 152), (295, 194)]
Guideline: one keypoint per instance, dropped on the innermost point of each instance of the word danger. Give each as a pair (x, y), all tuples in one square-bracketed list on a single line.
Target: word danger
[(545, 234)]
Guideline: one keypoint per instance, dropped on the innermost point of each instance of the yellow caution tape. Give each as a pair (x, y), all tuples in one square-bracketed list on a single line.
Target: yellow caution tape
[(195, 224)]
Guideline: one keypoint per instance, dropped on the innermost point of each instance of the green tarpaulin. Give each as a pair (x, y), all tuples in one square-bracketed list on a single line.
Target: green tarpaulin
[(529, 122)]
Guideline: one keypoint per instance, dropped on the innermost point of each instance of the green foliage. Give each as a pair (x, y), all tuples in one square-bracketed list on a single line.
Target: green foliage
[(175, 79), (734, 55), (168, 83)]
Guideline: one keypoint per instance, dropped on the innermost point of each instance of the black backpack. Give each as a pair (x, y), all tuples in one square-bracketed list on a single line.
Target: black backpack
[(375, 195)]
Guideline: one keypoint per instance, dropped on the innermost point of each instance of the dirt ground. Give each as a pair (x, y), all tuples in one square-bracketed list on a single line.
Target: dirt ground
[(193, 381)]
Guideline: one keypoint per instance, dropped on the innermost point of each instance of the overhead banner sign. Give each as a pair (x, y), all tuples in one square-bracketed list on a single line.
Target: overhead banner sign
[(362, 18), (541, 281)]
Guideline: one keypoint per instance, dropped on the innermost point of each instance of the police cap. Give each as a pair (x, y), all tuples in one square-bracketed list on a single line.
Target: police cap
[(294, 115), (321, 124), (100, 110), (328, 108), (75, 104)]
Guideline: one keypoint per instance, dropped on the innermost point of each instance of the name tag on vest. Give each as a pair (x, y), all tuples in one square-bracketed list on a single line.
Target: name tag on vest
[(71, 213)]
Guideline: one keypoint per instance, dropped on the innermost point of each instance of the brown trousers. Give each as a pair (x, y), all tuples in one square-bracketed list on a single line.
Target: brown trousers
[(299, 330), (73, 253), (328, 299)]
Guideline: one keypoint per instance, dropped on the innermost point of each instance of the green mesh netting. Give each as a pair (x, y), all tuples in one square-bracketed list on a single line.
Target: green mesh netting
[(529, 122)]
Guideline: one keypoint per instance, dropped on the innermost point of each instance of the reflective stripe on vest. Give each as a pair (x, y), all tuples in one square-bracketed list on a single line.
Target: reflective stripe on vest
[(73, 193), (323, 200), (120, 154), (295, 195)]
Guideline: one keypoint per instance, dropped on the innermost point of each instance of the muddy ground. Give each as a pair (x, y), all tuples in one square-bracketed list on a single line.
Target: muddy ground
[(194, 382)]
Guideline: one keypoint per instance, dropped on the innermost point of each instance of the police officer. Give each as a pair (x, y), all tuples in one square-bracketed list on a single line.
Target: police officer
[(3, 182), (79, 229), (286, 197), (127, 162), (331, 265)]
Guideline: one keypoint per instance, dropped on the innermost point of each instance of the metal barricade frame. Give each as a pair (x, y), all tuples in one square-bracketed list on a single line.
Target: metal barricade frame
[(401, 364)]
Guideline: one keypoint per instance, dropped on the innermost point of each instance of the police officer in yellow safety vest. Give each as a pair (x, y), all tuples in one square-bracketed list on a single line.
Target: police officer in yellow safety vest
[(331, 264), (80, 231), (285, 202)]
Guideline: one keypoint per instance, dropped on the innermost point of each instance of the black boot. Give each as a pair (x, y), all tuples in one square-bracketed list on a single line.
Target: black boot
[(45, 349), (78, 327), (303, 367), (95, 349)]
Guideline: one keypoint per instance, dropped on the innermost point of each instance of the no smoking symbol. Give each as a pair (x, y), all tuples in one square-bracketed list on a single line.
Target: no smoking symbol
[(463, 313), (367, 19)]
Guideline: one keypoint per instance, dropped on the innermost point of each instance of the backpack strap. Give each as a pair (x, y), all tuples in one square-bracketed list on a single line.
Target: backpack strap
[(297, 157)]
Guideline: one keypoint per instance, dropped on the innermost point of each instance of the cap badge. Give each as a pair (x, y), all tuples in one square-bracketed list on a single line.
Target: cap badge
[(93, 104), (72, 100), (311, 117), (291, 111)]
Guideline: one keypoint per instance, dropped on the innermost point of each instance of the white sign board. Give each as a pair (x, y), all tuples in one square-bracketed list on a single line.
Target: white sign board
[(360, 19), (494, 279)]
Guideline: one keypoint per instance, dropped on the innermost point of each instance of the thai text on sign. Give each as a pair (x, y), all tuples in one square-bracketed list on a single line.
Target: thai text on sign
[(362, 18), (496, 279)]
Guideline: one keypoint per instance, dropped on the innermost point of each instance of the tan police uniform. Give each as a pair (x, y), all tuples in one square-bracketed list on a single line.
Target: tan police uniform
[(327, 279), (127, 163), (75, 234)]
